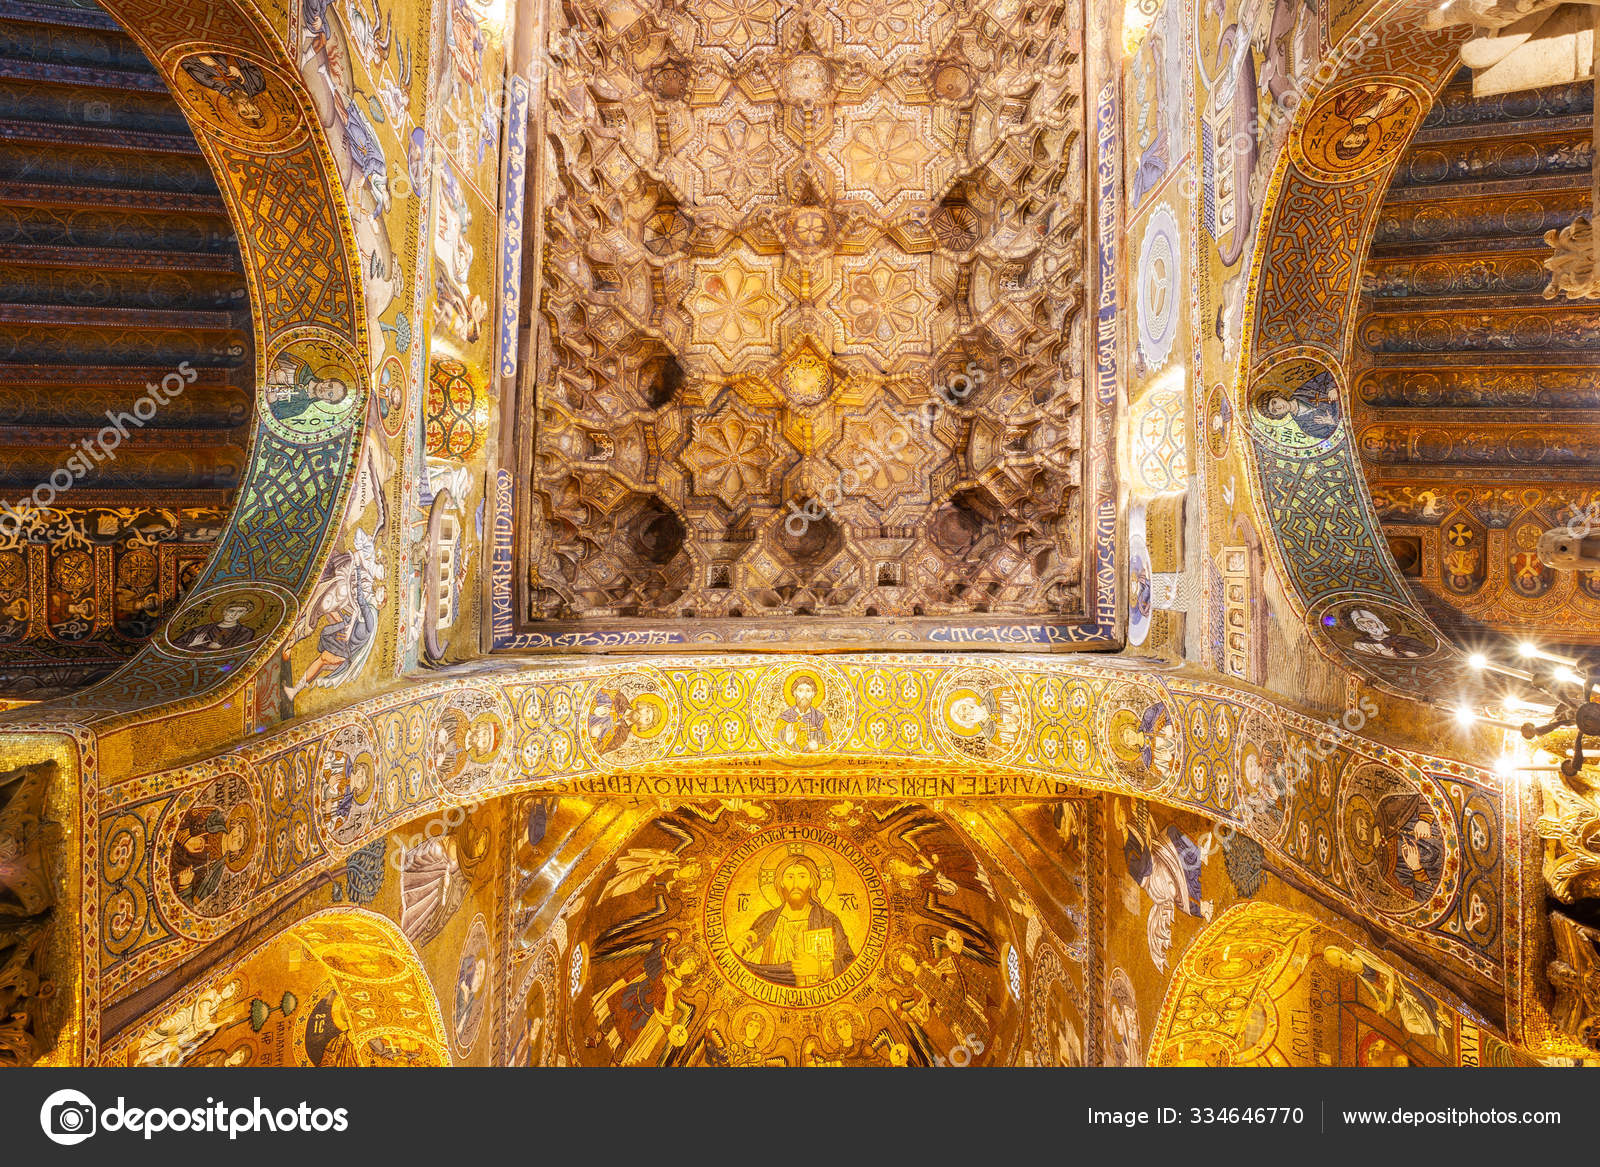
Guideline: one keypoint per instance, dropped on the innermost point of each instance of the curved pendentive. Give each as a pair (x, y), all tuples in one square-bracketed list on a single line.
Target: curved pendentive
[(340, 988), (1268, 986)]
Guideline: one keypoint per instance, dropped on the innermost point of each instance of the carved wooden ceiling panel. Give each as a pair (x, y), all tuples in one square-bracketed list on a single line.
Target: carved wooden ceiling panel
[(1475, 407), (811, 337)]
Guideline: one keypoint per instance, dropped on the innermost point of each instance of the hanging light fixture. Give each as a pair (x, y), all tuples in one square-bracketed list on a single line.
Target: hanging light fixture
[(1571, 685), (1558, 689)]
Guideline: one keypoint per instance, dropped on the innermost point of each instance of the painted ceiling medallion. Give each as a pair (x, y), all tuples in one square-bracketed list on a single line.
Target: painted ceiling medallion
[(808, 80), (1160, 287), (807, 379), (952, 80), (809, 231)]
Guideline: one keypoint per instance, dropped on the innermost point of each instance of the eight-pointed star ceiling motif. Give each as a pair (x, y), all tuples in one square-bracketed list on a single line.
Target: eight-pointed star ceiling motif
[(772, 233)]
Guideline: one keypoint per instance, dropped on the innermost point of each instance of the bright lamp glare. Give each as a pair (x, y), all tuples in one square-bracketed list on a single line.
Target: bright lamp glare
[(1465, 716), (1478, 661), (1504, 767), (1527, 649), (1568, 677)]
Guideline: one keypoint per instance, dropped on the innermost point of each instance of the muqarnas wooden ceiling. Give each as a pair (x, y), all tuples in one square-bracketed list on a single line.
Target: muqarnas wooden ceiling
[(811, 340)]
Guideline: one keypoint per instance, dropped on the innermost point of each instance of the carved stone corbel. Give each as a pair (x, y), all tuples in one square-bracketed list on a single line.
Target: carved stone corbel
[(26, 899), (25, 987), (1571, 262), (1519, 45), (24, 840), (1570, 828), (1490, 15), (1574, 972)]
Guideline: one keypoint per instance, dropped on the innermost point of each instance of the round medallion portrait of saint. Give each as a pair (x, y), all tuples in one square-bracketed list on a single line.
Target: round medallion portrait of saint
[(238, 98), (470, 1001), (1140, 737), (1296, 403), (1055, 1022), (227, 621), (214, 846), (1372, 630), (394, 387), (1264, 774), (1356, 131), (467, 739), (797, 916), (1398, 842), (981, 713), (533, 1031), (349, 800), (629, 719), (1123, 1043), (314, 390), (804, 711)]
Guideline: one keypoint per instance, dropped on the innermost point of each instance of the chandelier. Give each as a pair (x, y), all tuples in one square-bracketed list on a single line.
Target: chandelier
[(1567, 687)]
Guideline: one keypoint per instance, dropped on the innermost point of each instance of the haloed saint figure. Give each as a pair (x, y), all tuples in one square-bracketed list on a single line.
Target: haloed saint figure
[(802, 725), (228, 631), (293, 388), (236, 79), (799, 942)]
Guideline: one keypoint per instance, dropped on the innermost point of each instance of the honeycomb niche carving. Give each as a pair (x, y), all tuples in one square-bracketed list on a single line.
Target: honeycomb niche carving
[(810, 339)]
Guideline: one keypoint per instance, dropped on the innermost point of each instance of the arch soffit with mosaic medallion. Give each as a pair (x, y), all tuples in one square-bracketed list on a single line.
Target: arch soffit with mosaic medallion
[(1304, 476), (278, 179), (921, 728)]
